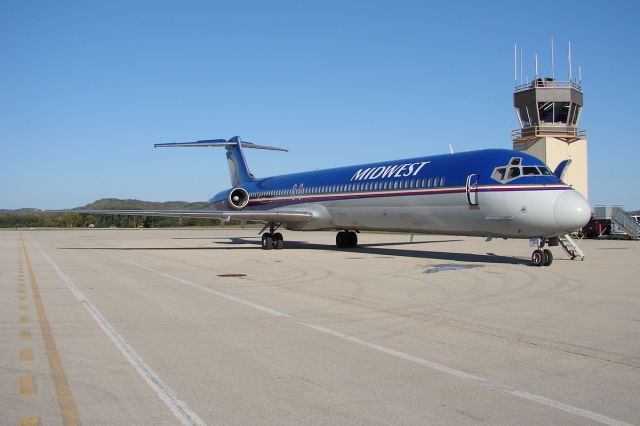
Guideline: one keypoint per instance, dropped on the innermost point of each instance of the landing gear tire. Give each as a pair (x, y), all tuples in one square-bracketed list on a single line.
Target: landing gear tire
[(267, 242), (352, 239), (548, 257), (346, 239), (538, 258), (278, 241)]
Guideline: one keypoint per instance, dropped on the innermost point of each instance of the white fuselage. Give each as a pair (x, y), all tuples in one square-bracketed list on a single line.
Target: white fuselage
[(509, 214)]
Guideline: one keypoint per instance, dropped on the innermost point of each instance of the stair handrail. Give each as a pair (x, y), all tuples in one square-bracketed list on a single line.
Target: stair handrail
[(626, 222)]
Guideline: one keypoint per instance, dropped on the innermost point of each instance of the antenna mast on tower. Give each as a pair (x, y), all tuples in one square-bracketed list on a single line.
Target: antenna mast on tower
[(570, 70), (553, 63)]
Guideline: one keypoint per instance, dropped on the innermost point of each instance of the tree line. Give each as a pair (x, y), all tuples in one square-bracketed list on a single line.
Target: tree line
[(82, 220), (31, 218)]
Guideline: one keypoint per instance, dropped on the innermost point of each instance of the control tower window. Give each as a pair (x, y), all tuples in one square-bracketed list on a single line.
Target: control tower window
[(561, 112), (546, 112), (554, 112), (523, 114), (575, 112)]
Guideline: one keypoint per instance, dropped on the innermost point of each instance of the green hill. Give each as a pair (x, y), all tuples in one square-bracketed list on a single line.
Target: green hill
[(118, 204), (33, 218)]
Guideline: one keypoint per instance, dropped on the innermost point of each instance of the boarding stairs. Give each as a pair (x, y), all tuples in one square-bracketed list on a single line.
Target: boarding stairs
[(570, 247), (625, 222)]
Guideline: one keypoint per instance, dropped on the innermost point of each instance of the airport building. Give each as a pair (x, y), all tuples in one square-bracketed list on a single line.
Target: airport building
[(549, 113)]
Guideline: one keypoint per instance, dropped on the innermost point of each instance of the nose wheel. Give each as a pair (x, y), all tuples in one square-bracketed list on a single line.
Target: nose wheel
[(542, 256)]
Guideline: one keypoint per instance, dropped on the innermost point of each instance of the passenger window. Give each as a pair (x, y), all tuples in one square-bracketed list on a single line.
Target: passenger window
[(435, 182), (441, 181)]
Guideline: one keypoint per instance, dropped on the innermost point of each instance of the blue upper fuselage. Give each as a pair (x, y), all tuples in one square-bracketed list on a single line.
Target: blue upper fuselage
[(490, 165)]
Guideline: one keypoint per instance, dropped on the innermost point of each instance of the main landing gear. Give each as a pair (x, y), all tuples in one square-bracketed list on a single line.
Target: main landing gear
[(347, 239), (542, 256), (272, 239)]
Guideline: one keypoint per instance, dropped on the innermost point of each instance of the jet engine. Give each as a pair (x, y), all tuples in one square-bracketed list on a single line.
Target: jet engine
[(238, 198)]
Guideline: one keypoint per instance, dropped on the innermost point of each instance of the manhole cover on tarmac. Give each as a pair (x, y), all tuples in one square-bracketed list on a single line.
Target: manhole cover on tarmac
[(232, 275)]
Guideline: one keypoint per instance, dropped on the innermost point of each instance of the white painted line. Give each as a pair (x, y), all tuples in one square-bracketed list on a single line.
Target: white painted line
[(179, 408), (398, 354)]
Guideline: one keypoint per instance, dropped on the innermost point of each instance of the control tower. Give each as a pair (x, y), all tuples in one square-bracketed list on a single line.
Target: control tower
[(549, 112)]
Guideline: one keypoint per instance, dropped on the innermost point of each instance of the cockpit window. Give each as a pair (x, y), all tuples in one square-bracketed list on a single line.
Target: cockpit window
[(498, 174), (515, 169)]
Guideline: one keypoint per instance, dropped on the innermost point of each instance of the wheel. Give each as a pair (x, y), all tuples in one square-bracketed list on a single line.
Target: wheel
[(548, 257), (340, 239), (537, 258), (278, 241), (352, 239), (267, 242)]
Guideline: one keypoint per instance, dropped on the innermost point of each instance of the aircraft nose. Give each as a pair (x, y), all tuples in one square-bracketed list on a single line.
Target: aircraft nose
[(571, 211)]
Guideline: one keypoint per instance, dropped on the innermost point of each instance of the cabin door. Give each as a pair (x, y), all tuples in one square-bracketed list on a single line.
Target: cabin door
[(472, 189)]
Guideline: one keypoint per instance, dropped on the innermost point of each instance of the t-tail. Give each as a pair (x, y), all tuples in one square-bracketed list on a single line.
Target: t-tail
[(238, 169)]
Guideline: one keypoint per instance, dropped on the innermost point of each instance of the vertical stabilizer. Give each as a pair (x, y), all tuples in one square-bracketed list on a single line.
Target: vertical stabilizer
[(238, 169)]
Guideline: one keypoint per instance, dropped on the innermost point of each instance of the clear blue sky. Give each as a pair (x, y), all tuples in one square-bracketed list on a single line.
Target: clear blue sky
[(87, 88)]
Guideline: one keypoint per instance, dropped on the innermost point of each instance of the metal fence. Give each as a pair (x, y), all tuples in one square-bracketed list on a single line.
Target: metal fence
[(539, 131)]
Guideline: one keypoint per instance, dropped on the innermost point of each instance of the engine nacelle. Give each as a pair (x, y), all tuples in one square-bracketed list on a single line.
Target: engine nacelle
[(238, 198)]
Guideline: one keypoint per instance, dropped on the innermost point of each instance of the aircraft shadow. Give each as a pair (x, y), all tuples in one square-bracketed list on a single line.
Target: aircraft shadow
[(380, 249)]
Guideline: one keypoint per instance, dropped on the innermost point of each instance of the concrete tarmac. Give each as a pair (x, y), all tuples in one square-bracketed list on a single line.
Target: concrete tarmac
[(201, 326)]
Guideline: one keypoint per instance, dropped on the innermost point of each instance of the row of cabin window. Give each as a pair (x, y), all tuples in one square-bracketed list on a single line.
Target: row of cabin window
[(363, 186)]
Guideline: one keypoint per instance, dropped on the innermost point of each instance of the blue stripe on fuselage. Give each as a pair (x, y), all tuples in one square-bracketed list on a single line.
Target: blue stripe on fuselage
[(453, 167)]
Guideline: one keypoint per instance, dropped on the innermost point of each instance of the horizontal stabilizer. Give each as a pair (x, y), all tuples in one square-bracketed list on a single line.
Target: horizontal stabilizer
[(217, 143)]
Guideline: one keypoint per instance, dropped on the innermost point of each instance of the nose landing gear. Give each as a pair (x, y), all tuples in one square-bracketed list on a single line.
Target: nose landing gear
[(542, 256)]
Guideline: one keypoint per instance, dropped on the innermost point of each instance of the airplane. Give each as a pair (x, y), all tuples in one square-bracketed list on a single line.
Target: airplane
[(492, 193)]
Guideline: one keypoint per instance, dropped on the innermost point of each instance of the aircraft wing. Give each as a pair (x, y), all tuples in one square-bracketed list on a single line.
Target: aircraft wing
[(252, 215)]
